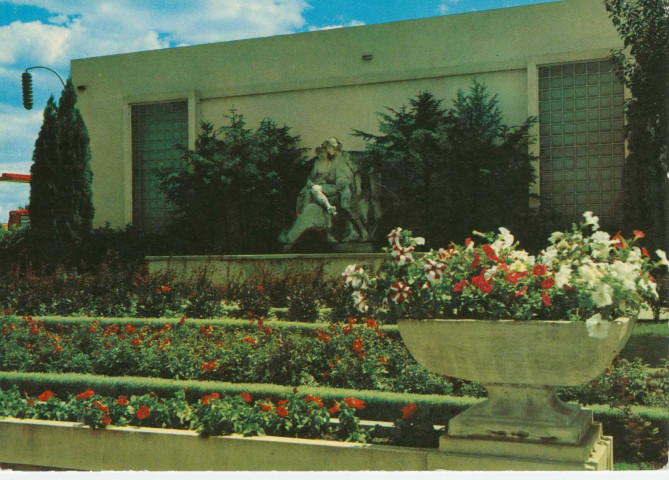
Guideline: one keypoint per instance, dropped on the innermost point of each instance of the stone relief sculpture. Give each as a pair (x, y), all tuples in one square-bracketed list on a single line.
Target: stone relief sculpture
[(338, 198)]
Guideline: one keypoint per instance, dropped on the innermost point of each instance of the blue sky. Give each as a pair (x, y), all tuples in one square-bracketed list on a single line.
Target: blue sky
[(52, 32)]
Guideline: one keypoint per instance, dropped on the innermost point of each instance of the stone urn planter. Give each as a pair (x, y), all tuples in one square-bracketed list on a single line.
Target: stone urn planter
[(519, 363)]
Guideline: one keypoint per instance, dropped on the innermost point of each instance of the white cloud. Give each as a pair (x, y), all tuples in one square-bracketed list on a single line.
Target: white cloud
[(445, 6), (352, 23)]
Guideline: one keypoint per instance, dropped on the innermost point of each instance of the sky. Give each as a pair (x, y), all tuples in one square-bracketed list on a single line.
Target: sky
[(50, 33)]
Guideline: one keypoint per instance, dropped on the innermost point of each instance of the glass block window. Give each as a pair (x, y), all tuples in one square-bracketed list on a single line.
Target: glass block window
[(582, 146), (156, 131)]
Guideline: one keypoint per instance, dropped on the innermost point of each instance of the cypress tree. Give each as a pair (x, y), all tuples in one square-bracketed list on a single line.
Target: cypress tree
[(61, 210), (74, 219), (45, 160)]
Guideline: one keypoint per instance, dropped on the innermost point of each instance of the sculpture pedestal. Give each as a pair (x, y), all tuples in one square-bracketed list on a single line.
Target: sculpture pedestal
[(593, 452)]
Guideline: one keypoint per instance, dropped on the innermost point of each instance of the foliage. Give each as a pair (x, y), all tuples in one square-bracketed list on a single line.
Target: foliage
[(643, 67), (583, 273), (61, 208), (303, 305), (451, 171), (237, 189), (345, 355)]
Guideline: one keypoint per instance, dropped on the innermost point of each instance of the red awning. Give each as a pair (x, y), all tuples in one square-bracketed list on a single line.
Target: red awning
[(15, 177)]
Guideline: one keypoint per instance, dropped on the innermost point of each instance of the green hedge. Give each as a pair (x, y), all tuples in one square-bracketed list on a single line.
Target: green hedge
[(381, 406)]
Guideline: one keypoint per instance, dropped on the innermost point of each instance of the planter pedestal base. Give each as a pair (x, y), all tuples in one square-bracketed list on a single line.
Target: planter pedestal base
[(593, 452), (523, 412)]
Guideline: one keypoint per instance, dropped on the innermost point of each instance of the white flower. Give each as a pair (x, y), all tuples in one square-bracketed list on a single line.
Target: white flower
[(626, 273), (415, 241), (517, 266), (505, 239), (589, 273), (354, 276), (600, 237), (663, 257), (400, 292), (434, 270), (649, 286), (591, 219), (395, 237), (402, 255), (555, 236), (549, 255), (597, 327), (562, 276), (360, 302), (602, 296)]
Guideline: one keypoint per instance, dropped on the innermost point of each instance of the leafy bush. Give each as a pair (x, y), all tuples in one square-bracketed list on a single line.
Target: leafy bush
[(452, 171), (237, 189), (303, 305)]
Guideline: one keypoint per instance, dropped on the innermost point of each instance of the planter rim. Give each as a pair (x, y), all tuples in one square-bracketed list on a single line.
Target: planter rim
[(619, 321)]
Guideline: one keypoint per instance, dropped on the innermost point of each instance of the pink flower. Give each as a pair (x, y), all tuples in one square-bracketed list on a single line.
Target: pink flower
[(400, 292)]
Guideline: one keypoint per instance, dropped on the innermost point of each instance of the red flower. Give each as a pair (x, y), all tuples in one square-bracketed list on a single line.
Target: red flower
[(85, 395), (182, 320), (265, 407), (352, 320), (135, 342), (383, 359), (409, 410), (106, 419), (547, 283), (370, 322), (460, 285), (249, 339), (645, 252), (484, 285), (267, 330), (520, 292), (281, 411), (46, 395), (91, 329), (348, 329), (357, 345), (467, 241), (355, 403), (261, 289), (539, 270), (334, 409), (322, 336), (316, 400), (246, 397), (283, 402), (490, 253), (143, 412), (209, 366), (100, 407), (544, 298), (638, 234), (129, 329), (34, 330), (513, 277), (58, 348), (476, 262), (165, 289), (122, 401), (212, 396)]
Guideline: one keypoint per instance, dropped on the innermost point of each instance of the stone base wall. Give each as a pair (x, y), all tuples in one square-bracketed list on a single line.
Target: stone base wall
[(240, 268)]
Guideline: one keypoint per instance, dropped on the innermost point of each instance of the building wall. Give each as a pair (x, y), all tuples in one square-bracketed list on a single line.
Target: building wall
[(318, 83)]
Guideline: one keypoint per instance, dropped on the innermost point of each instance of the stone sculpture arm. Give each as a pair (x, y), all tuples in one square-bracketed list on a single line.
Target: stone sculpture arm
[(322, 200)]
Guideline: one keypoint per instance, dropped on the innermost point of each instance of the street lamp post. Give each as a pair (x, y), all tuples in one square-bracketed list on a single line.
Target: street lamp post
[(27, 85)]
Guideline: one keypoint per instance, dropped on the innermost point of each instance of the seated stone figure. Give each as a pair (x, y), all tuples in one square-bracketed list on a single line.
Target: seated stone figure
[(333, 199)]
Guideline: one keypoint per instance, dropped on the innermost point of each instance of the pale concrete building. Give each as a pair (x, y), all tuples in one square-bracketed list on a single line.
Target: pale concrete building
[(546, 60)]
